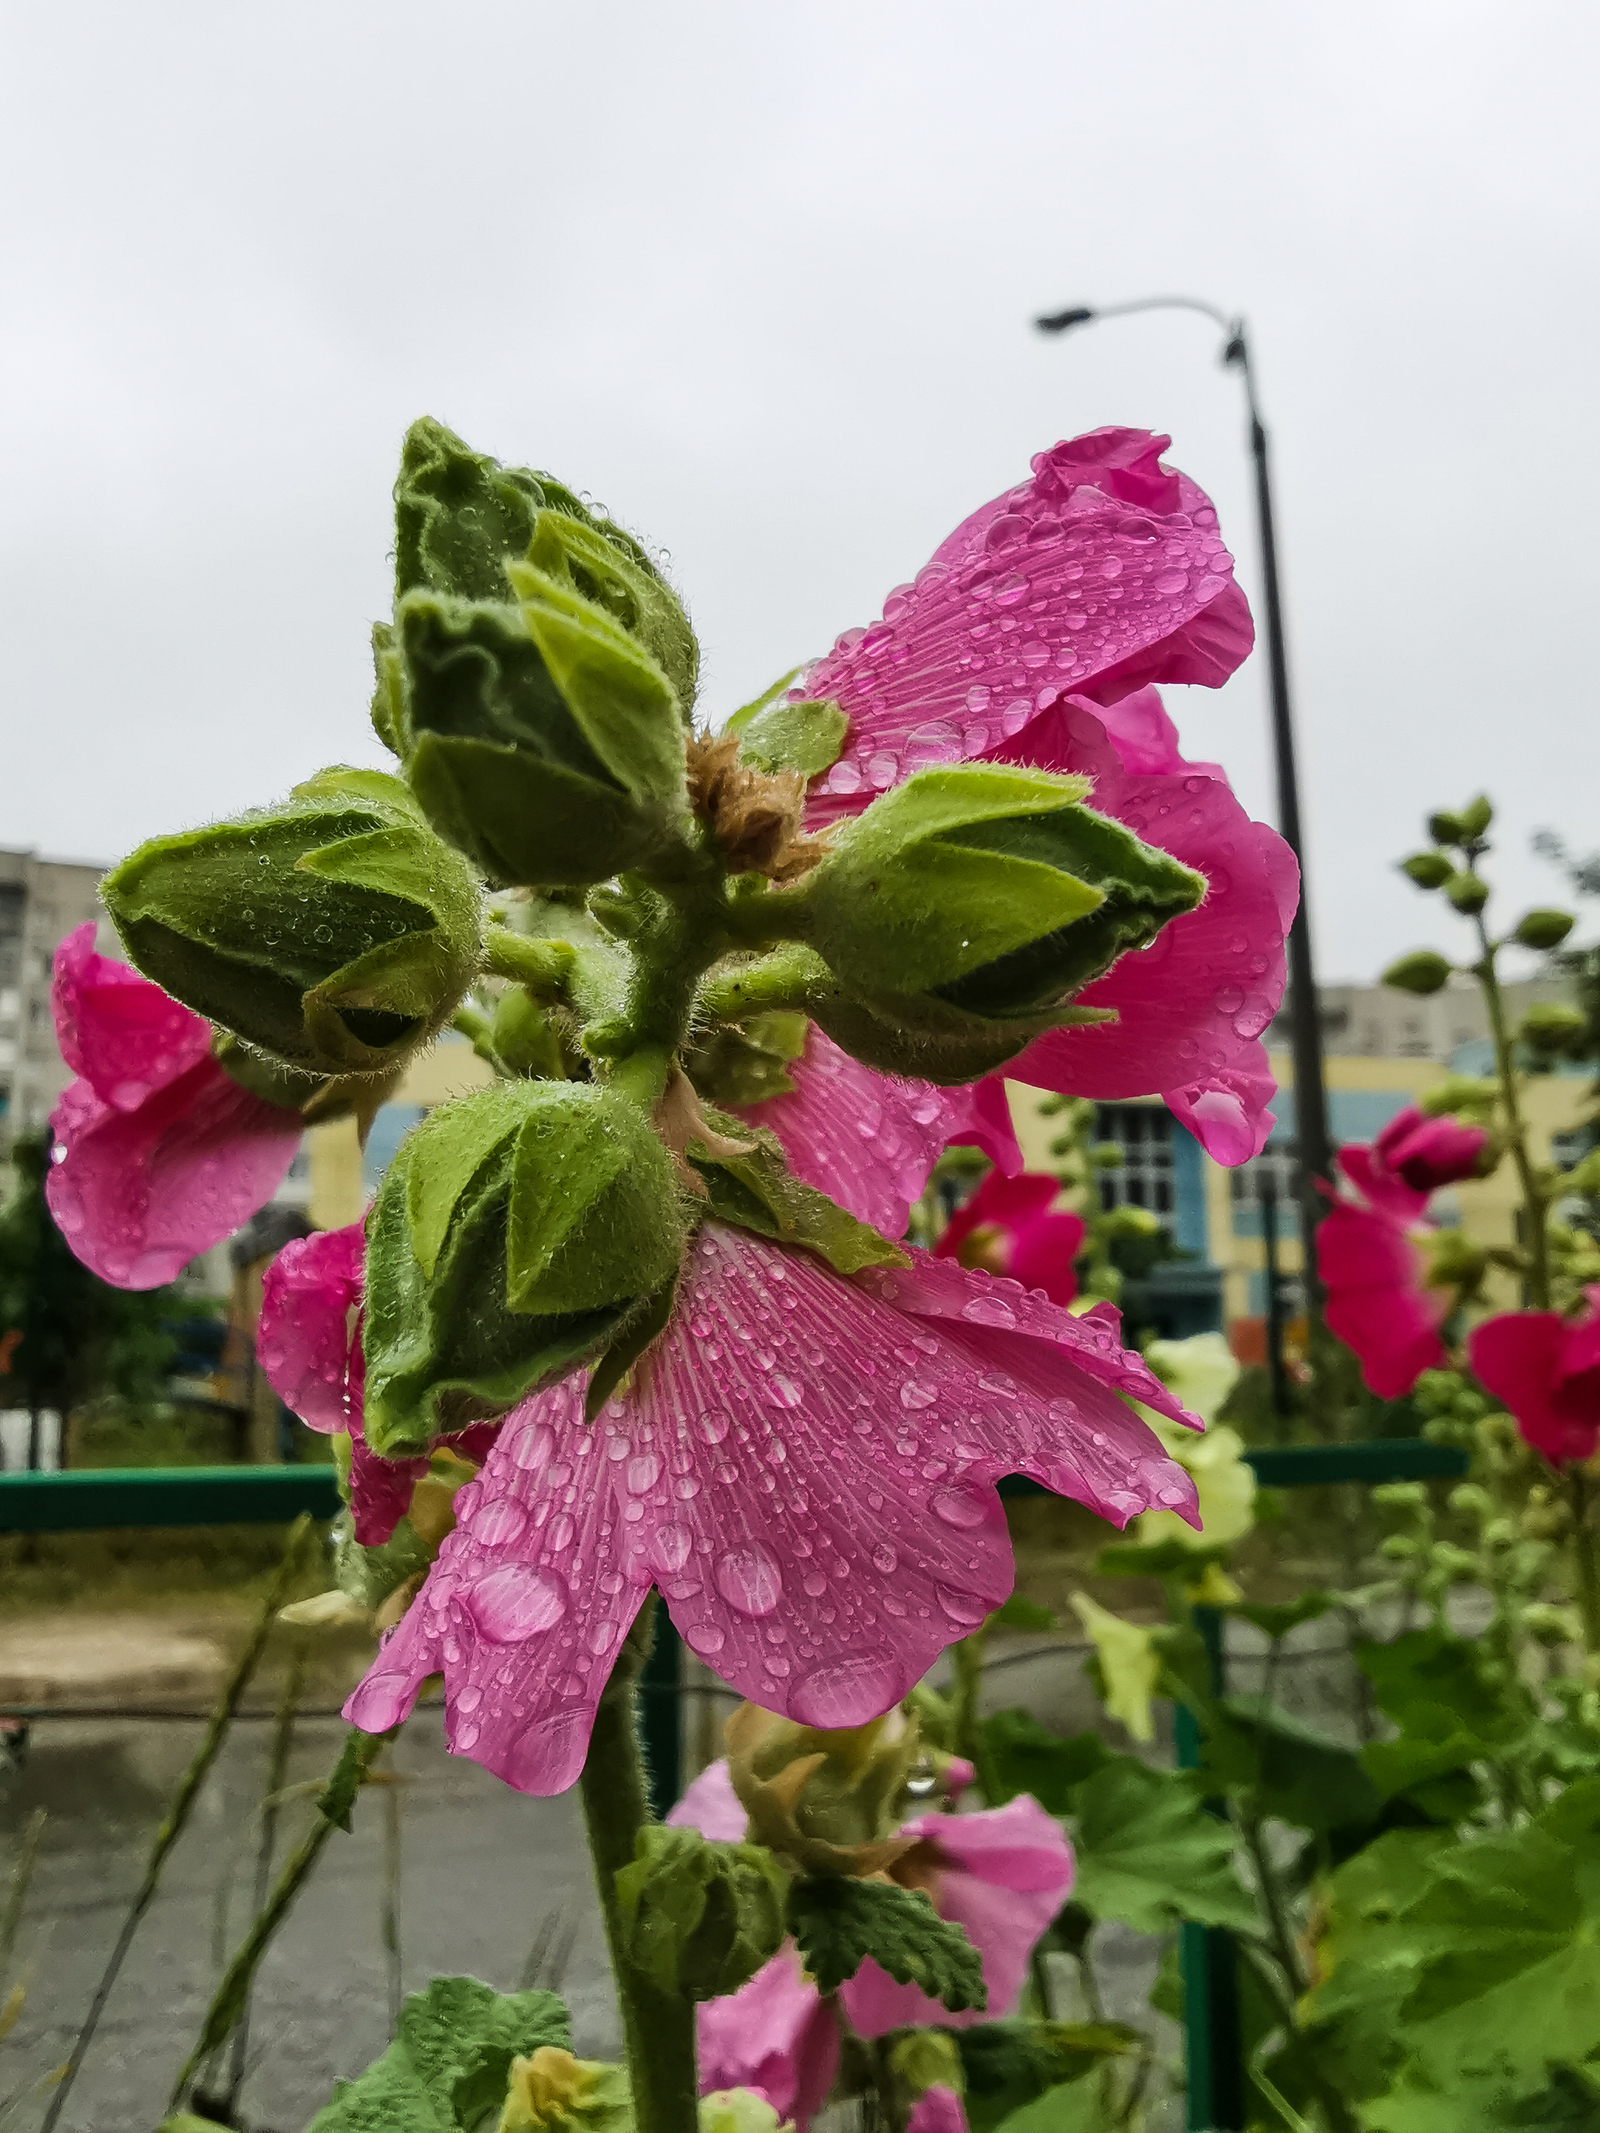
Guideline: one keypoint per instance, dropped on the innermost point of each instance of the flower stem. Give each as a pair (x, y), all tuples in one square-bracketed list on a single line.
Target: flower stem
[(1536, 1243), (657, 2027), (1583, 1552)]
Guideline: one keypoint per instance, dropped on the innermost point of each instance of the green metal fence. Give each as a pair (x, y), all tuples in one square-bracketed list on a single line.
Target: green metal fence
[(233, 1495)]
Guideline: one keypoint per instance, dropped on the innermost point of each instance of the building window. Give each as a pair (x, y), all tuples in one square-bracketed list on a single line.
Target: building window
[(1144, 1179), (1279, 1161)]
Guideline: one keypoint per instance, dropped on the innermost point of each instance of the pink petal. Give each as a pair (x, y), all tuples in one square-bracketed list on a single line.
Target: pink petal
[(1146, 740), (1385, 1193), (1000, 1202), (1519, 1356), (988, 1124), (124, 1035), (937, 2110), (940, 678), (138, 1193), (774, 2034), (712, 1806), (1193, 1006), (1377, 1304), (1005, 1873), (305, 1339), (805, 1468), (866, 1139), (1040, 1255), (1427, 1153)]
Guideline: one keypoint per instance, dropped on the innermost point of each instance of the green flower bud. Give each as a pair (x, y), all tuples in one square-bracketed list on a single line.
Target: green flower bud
[(1468, 892), (1473, 1098), (335, 932), (518, 1232), (737, 2111), (552, 2092), (1422, 972), (1445, 828), (1476, 816), (698, 1917), (925, 2059), (1429, 870), (1544, 929), (985, 888), (606, 573), (1455, 1262), (1549, 1026)]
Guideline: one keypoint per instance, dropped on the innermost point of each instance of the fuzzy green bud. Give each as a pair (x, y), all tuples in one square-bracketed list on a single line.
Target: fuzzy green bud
[(1422, 972), (1467, 891), (1544, 929), (335, 932), (988, 889), (699, 1917), (1429, 870), (737, 2111), (1455, 1262), (805, 736), (518, 1232), (1475, 817), (1445, 827), (1550, 1026), (552, 2092), (1460, 1093)]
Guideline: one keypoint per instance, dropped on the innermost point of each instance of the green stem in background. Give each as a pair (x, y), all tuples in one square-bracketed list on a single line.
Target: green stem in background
[(966, 1659), (1337, 2114), (781, 982), (389, 1917), (177, 1815), (1584, 1555), (229, 2000), (1536, 1243), (657, 2027)]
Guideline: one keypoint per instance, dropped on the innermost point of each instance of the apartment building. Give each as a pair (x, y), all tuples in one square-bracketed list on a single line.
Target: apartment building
[(41, 901)]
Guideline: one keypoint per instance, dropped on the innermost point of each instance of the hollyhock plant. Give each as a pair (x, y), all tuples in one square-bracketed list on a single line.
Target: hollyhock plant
[(1374, 1273), (1001, 1873), (158, 1152), (1546, 1371), (1427, 1153), (1007, 1226)]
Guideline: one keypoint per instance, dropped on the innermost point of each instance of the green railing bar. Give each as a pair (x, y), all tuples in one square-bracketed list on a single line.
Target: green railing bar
[(165, 1496)]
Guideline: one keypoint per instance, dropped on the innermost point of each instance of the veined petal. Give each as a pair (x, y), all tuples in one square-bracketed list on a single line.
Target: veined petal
[(124, 1035), (711, 1806), (804, 1466), (306, 1337), (1523, 1357), (1110, 568), (1002, 1202), (139, 1193), (1377, 1304), (773, 2034)]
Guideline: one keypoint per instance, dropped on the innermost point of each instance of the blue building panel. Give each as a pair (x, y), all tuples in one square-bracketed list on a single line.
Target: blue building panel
[(1190, 1230)]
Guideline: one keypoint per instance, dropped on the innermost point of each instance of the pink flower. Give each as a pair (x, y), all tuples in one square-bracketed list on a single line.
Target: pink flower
[(1546, 1371), (774, 2035), (1426, 1153), (937, 2110), (1002, 1874), (1031, 638), (158, 1153), (804, 1465), (1007, 1227), (1378, 1302), (308, 1341)]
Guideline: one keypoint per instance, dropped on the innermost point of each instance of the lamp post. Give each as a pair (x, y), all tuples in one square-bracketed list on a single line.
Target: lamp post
[(1310, 1094)]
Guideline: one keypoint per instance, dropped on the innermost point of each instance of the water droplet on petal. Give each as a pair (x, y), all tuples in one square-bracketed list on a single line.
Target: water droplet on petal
[(989, 1311), (749, 1579), (704, 1638), (917, 1392), (498, 1522), (515, 1603), (961, 1506), (848, 1691)]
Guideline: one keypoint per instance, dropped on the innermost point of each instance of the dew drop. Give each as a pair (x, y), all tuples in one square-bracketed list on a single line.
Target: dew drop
[(704, 1638), (498, 1523), (749, 1579), (847, 1691), (515, 1603), (917, 1392), (960, 1506), (989, 1311)]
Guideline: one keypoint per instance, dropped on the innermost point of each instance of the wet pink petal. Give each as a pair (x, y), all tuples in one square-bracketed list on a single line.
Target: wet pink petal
[(1102, 572), (1146, 740), (711, 1806), (805, 1469), (1380, 1187), (306, 1337), (1002, 1874), (1377, 1304), (123, 1034), (1426, 1153), (138, 1193), (866, 1139), (774, 2034), (988, 1124), (1546, 1372), (937, 2110), (1028, 1243), (1193, 1006)]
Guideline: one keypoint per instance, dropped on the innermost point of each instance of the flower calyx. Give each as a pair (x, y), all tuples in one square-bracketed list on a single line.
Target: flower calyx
[(699, 1916), (752, 813), (552, 2092), (824, 1801)]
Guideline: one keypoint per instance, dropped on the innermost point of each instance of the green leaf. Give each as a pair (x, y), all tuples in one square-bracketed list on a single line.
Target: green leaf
[(1435, 1670), (1288, 1772), (1021, 1613), (1021, 1755), (1489, 2102), (636, 1335), (805, 736), (700, 1917), (1430, 1763), (1278, 1621), (759, 1192), (1157, 1559), (616, 693), (450, 2062), (1150, 1855), (838, 1923), (1007, 2066)]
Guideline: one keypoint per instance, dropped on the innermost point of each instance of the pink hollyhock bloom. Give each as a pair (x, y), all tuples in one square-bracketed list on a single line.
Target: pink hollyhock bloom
[(1002, 1874), (937, 2110), (804, 1465), (308, 1341), (869, 1140), (158, 1153), (1426, 1153), (1378, 1302), (773, 2035), (1007, 1227), (1030, 638), (1545, 1369)]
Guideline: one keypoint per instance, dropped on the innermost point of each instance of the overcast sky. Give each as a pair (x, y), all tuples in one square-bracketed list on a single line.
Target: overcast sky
[(759, 277)]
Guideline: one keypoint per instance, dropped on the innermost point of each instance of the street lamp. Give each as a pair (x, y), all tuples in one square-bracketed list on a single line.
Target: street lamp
[(1310, 1094)]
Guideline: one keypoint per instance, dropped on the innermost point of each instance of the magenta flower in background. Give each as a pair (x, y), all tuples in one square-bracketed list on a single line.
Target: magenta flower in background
[(1001, 1873), (158, 1154), (1032, 637), (1379, 1304), (1545, 1370), (937, 2110), (1426, 1153), (805, 1467), (308, 1341), (1007, 1227)]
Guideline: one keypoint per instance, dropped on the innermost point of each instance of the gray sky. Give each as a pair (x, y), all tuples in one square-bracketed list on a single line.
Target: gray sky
[(760, 278)]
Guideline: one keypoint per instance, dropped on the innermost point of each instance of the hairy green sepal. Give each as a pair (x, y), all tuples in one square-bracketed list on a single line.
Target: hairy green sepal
[(450, 2062), (757, 1190), (700, 1917), (516, 1234), (838, 1922), (804, 736), (335, 932)]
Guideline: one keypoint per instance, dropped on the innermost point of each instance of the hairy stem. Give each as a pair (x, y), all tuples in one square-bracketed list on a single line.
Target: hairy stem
[(657, 2027), (1536, 1242)]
